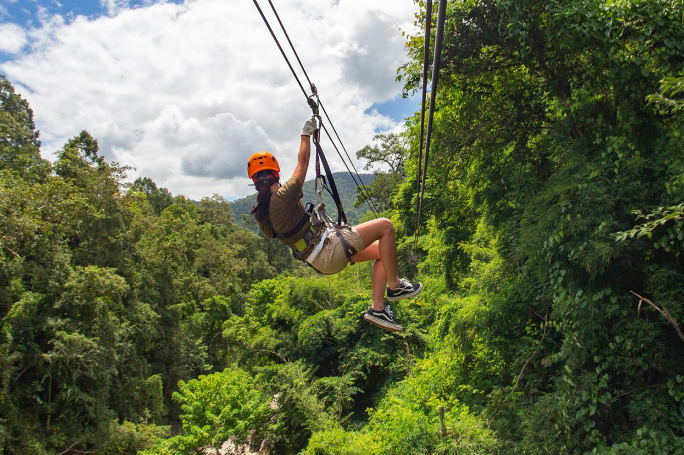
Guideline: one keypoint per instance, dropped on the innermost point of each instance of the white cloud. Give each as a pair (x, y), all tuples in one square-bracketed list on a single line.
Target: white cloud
[(12, 38), (113, 7), (186, 92)]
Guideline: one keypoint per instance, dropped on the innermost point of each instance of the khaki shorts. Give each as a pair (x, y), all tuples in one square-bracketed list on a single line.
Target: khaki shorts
[(332, 259)]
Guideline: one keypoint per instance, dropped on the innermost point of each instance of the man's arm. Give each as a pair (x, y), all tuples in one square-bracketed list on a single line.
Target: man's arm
[(304, 151), (303, 159)]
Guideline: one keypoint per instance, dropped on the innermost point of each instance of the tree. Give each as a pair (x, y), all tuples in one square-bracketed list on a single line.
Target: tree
[(219, 407), (99, 241), (670, 88), (392, 153), (19, 144), (159, 198), (215, 210), (543, 144)]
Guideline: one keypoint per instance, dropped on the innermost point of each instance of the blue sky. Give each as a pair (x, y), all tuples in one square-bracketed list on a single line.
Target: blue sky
[(185, 91), (26, 12), (398, 108)]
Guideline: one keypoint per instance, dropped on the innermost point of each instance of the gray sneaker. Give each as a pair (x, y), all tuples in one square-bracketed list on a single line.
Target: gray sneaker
[(383, 319)]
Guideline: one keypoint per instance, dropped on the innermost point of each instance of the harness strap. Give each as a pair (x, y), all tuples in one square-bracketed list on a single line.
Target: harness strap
[(341, 217), (305, 219), (319, 246), (349, 250)]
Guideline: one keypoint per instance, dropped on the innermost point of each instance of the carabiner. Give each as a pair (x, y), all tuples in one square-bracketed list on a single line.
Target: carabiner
[(319, 193)]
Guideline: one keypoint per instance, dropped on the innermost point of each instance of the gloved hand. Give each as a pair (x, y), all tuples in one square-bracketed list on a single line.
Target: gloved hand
[(309, 126)]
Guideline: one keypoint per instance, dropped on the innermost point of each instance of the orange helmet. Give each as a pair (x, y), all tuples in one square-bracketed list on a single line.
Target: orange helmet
[(262, 161)]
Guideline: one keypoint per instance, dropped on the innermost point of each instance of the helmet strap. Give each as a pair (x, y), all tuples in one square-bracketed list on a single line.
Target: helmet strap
[(265, 182), (275, 175)]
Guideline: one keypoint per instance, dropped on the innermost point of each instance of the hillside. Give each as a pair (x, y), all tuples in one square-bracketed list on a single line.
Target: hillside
[(345, 186)]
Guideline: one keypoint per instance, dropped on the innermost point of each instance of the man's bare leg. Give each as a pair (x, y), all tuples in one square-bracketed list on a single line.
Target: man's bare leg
[(378, 234), (378, 283)]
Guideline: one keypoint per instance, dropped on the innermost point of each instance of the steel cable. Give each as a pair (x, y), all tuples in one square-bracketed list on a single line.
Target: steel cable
[(441, 14), (363, 190), (426, 63)]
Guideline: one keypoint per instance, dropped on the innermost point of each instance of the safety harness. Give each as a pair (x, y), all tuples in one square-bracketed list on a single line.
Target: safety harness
[(318, 214), (321, 226)]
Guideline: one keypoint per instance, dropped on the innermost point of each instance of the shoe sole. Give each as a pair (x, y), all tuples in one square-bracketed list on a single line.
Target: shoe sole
[(383, 324), (405, 296)]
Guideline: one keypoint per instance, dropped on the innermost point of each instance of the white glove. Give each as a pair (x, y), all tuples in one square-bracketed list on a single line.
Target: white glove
[(309, 127)]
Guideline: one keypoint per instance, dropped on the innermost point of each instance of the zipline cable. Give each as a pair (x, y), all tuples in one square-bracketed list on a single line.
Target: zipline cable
[(345, 165), (368, 200), (364, 191), (426, 62), (281, 48), (289, 41), (441, 14), (313, 88)]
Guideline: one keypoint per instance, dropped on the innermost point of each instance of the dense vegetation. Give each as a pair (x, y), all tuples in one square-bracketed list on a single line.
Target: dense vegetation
[(135, 320)]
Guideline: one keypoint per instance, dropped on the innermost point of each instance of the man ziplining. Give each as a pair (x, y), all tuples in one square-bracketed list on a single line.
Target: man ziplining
[(325, 245)]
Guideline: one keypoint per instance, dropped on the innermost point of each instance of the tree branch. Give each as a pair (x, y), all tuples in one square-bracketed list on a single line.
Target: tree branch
[(71, 449), (11, 251), (546, 325), (663, 311), (638, 390), (19, 375), (274, 353)]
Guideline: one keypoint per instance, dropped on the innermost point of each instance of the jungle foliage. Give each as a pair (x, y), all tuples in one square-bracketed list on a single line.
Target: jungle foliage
[(136, 321)]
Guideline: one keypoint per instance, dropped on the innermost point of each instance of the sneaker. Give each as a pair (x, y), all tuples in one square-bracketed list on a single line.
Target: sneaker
[(406, 290), (383, 319)]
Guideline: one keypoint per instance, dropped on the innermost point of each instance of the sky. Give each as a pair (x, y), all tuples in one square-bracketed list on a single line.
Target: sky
[(185, 91)]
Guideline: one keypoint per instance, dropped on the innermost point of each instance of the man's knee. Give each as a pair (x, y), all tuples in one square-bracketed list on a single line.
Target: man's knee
[(387, 226)]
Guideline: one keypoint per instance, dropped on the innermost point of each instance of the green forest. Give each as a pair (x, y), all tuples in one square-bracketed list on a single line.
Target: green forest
[(135, 321)]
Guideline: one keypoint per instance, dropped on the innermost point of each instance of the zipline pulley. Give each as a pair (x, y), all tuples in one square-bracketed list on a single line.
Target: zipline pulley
[(314, 103)]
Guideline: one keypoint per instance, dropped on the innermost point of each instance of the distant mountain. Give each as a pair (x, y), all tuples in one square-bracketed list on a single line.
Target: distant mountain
[(345, 186)]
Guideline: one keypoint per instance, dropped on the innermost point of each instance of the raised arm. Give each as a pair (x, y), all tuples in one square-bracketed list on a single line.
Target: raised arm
[(304, 151)]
